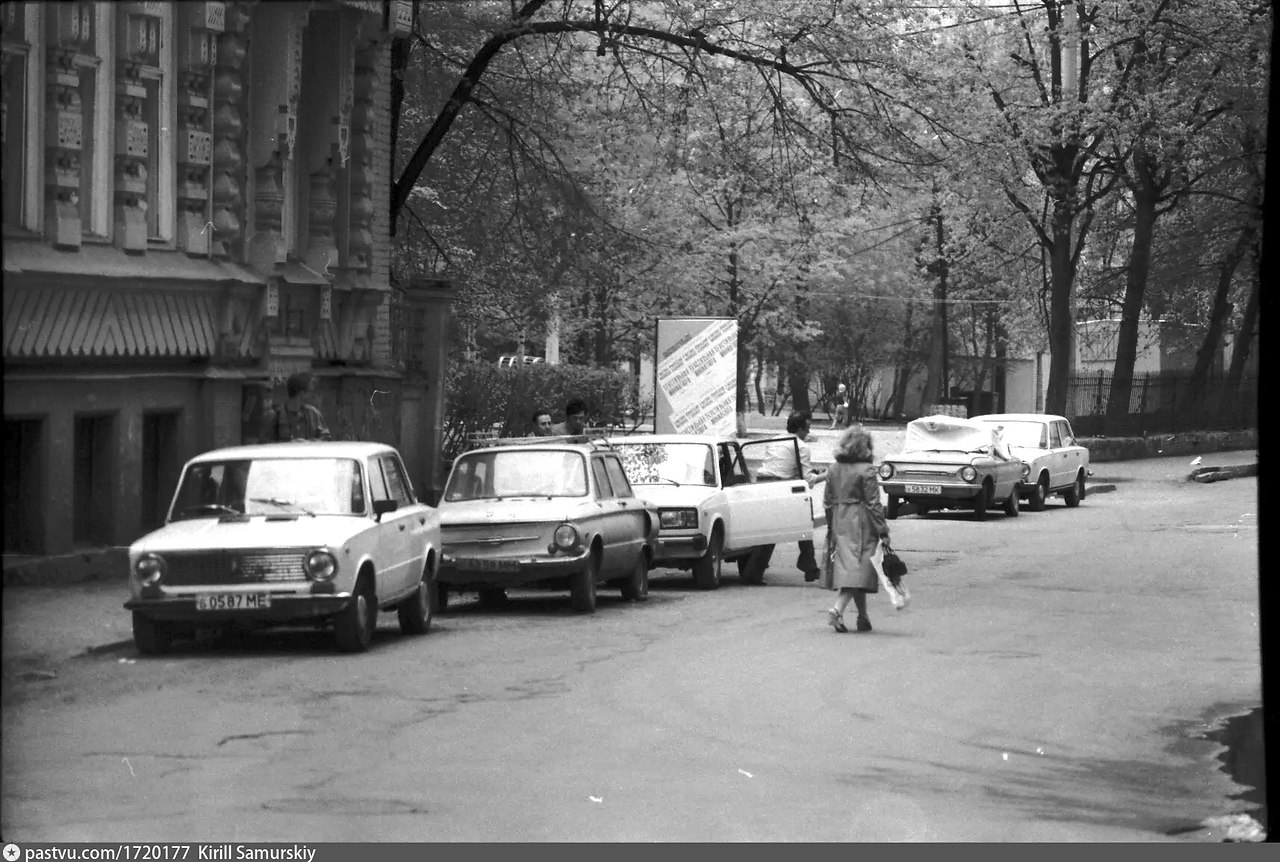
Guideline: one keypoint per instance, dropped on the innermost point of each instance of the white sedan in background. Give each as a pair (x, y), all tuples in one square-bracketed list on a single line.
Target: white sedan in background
[(1054, 461)]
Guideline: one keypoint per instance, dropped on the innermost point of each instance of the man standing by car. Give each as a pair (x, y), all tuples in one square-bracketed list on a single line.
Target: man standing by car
[(574, 424), (784, 461), (542, 426), (296, 419)]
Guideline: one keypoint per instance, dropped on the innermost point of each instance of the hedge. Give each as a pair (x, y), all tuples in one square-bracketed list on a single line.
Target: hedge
[(482, 397)]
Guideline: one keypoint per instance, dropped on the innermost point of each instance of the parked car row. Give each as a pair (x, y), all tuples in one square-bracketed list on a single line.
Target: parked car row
[(332, 532), (987, 462)]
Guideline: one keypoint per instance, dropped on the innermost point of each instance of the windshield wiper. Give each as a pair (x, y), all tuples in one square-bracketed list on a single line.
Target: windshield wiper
[(209, 508), (276, 501)]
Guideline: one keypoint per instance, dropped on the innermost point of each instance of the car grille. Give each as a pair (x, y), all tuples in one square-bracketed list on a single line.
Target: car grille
[(505, 539), (923, 470), (230, 567)]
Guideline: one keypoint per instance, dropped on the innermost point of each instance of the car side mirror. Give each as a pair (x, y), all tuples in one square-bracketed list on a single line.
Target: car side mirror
[(381, 507)]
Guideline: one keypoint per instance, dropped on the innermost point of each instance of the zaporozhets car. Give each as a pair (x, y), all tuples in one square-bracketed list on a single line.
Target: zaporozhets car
[(951, 463), (1053, 461), (327, 532), (711, 507), (553, 513)]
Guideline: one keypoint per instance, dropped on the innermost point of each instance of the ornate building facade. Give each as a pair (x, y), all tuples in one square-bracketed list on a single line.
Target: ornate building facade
[(201, 210)]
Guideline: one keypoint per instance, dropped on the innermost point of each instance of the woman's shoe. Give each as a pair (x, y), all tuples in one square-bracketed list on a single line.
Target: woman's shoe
[(836, 620), (864, 624)]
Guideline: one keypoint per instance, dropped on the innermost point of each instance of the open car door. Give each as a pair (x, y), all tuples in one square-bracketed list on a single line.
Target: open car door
[(767, 511)]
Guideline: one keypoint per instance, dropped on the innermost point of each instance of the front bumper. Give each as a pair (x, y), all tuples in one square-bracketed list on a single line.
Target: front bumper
[(673, 548), (178, 604), (507, 571)]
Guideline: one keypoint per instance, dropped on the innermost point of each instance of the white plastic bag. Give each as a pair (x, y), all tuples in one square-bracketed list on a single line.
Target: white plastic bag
[(899, 595)]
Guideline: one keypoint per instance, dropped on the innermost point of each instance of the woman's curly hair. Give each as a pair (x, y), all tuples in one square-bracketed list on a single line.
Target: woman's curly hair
[(855, 445)]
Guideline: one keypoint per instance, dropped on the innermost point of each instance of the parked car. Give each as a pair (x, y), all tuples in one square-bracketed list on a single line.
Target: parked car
[(287, 532), (710, 506), (555, 513), (1053, 461), (951, 463)]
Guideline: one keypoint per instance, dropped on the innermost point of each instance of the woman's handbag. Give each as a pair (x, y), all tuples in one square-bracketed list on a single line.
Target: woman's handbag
[(885, 561)]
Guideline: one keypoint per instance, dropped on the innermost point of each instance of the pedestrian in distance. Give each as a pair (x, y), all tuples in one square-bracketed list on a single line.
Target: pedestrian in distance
[(297, 418), (842, 407), (541, 423), (574, 424), (855, 526), (783, 461)]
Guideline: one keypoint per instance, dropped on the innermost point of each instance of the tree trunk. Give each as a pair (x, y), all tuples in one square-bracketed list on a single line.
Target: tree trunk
[(1245, 337), (759, 383), (1062, 324), (1144, 219), (1218, 313), (798, 379), (902, 374), (936, 383)]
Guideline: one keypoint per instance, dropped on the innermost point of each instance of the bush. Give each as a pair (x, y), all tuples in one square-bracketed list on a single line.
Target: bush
[(482, 397)]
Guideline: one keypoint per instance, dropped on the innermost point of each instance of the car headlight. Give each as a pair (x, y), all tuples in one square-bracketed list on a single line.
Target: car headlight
[(149, 570), (1026, 470), (678, 519), (321, 565), (566, 536), (886, 471), (968, 473)]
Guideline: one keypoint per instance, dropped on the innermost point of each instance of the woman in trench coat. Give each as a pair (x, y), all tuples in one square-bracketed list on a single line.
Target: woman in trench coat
[(855, 525)]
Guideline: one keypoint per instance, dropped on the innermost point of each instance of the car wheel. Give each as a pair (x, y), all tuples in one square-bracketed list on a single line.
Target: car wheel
[(493, 597), (151, 637), (891, 509), (416, 611), (980, 502), (706, 569), (1011, 504), (1038, 495), (1075, 493), (353, 625), (442, 597), (636, 587), (582, 590)]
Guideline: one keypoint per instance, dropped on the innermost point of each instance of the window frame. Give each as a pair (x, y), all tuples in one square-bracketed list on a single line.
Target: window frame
[(30, 215), (599, 472), (97, 185)]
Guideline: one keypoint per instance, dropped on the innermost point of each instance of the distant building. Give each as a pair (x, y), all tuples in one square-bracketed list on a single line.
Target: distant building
[(194, 207)]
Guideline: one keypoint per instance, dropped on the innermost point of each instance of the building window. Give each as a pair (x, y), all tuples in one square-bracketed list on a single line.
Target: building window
[(20, 126), (161, 464), (161, 118), (97, 106)]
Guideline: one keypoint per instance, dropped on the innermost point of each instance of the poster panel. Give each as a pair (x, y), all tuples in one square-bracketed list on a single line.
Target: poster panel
[(695, 375)]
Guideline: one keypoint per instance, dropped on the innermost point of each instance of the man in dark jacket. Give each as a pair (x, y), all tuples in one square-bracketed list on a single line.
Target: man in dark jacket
[(296, 419)]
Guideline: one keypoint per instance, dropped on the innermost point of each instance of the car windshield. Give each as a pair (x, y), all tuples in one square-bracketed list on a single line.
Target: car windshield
[(1030, 435), (945, 433), (270, 486), (519, 472), (668, 463)]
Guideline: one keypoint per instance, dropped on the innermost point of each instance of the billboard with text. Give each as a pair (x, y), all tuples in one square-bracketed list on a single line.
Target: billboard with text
[(696, 375)]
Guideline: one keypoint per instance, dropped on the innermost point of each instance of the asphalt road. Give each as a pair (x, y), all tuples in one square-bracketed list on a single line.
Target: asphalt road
[(1051, 681)]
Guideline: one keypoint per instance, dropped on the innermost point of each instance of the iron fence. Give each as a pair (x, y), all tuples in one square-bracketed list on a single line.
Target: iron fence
[(1160, 403)]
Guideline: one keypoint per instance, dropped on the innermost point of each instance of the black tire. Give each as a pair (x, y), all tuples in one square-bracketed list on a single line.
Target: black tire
[(706, 569), (980, 503), (353, 625), (582, 588), (1035, 500), (1011, 505), (636, 587), (493, 597), (891, 509), (442, 597), (417, 610), (1075, 493), (151, 637)]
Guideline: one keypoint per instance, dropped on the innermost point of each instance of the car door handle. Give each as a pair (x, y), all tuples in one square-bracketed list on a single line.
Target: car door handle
[(798, 489)]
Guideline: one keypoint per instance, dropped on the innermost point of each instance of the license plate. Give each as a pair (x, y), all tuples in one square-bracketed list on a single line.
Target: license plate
[(233, 601), (922, 489), (484, 565)]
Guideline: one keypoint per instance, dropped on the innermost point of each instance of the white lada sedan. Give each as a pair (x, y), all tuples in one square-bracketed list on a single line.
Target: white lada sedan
[(287, 532), (711, 507), (1053, 460)]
